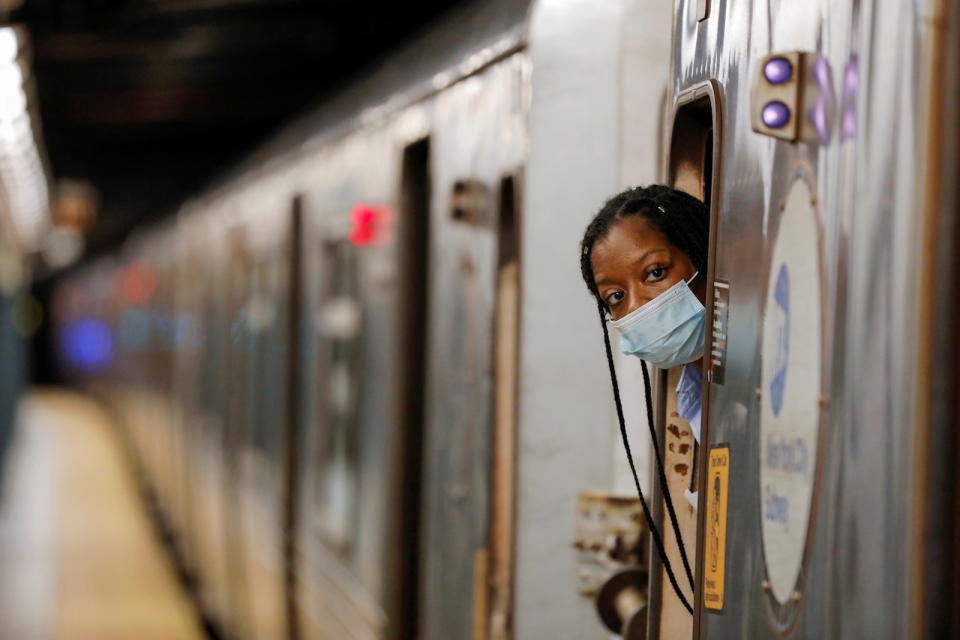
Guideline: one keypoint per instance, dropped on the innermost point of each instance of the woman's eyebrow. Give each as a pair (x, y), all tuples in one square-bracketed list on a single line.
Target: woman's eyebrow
[(646, 255)]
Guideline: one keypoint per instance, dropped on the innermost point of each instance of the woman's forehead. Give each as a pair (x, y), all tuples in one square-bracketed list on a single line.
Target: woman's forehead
[(628, 237)]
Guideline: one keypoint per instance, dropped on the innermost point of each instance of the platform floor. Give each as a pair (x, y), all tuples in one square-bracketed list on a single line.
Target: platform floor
[(78, 557)]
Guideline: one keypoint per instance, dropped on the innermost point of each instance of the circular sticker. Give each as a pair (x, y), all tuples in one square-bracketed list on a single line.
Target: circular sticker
[(790, 397)]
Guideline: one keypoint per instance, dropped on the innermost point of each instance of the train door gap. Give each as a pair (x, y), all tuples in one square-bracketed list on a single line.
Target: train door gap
[(496, 622), (414, 303), (692, 167)]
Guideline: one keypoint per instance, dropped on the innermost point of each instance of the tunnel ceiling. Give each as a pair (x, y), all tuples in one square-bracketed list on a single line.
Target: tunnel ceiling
[(150, 99)]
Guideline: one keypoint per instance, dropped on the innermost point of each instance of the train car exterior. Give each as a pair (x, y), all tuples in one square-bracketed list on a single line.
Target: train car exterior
[(329, 365), (817, 134)]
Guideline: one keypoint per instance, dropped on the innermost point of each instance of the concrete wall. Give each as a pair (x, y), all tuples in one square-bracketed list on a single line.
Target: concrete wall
[(585, 143)]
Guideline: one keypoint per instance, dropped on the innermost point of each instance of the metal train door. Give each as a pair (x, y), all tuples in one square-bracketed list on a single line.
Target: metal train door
[(466, 537), (692, 166), (828, 488), (473, 463)]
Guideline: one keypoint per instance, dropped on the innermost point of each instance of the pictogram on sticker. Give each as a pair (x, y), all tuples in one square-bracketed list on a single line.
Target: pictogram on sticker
[(715, 547)]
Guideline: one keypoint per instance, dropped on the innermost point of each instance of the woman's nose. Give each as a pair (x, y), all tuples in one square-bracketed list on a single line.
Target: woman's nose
[(636, 298)]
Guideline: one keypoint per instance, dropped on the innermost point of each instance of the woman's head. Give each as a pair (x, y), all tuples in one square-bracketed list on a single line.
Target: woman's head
[(641, 243), (645, 242)]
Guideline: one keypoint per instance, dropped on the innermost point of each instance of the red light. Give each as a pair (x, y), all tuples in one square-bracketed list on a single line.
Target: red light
[(137, 283), (371, 225)]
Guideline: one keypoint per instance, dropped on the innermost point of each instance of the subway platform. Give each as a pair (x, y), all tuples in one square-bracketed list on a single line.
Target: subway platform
[(79, 555)]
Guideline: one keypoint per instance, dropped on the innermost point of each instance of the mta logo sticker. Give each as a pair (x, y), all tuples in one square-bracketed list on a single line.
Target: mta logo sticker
[(778, 383)]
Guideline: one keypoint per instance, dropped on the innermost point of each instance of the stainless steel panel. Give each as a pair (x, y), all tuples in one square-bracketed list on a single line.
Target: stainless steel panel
[(479, 133), (854, 581)]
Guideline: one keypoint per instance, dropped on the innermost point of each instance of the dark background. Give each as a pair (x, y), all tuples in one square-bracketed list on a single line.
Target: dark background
[(150, 99)]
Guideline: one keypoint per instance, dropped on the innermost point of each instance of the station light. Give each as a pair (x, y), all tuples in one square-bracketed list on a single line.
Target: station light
[(137, 283), (24, 191), (87, 344)]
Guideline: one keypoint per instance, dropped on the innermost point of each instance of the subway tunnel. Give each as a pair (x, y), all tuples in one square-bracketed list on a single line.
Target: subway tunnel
[(478, 319)]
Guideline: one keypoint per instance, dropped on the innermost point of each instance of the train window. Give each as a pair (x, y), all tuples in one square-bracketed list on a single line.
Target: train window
[(340, 322), (236, 398), (691, 160), (262, 325), (692, 166)]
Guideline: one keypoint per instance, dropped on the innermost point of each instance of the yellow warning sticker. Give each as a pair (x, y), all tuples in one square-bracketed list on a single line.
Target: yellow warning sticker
[(715, 545)]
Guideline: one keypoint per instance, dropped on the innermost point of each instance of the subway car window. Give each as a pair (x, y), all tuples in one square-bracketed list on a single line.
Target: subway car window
[(341, 327)]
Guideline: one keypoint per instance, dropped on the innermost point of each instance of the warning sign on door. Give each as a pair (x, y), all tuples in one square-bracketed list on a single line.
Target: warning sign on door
[(715, 545)]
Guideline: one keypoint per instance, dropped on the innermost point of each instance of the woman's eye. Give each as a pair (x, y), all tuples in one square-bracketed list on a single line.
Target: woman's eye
[(656, 274), (614, 298)]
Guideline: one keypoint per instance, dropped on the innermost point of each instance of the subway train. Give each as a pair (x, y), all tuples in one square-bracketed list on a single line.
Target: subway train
[(365, 387)]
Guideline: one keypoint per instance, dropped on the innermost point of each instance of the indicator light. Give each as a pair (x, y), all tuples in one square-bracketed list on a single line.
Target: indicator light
[(775, 114), (370, 225), (778, 70)]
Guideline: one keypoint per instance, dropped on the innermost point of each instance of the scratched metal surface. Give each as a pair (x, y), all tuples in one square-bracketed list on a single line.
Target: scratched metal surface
[(853, 582)]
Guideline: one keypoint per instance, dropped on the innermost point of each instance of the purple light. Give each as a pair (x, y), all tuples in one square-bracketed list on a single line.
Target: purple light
[(86, 344), (818, 116), (775, 114), (851, 78), (821, 114), (851, 84), (778, 70), (821, 71), (849, 124)]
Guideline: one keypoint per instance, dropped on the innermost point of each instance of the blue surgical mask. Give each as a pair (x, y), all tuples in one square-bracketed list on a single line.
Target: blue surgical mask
[(667, 331)]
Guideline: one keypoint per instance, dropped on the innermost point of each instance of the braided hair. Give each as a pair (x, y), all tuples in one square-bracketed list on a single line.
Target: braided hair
[(686, 223), (679, 216)]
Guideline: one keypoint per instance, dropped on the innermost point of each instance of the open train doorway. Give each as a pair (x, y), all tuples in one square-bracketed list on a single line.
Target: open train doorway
[(495, 620), (414, 244), (293, 399), (693, 167)]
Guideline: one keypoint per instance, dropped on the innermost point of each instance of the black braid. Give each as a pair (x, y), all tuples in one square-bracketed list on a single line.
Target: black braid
[(654, 532), (648, 399), (686, 223)]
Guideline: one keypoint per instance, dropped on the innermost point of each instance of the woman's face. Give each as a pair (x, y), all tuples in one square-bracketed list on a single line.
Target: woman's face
[(634, 263)]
